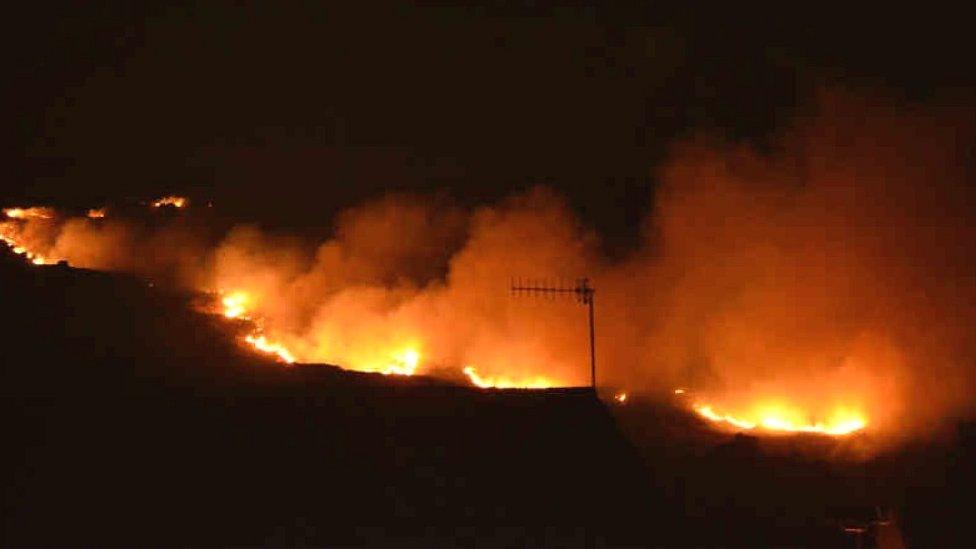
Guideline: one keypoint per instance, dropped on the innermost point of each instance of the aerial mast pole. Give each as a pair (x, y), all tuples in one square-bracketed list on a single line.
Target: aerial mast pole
[(583, 293)]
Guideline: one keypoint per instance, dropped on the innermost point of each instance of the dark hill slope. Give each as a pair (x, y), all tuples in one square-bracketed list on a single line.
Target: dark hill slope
[(129, 420)]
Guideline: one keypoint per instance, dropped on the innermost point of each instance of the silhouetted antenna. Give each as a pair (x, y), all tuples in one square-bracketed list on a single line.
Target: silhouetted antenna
[(580, 289)]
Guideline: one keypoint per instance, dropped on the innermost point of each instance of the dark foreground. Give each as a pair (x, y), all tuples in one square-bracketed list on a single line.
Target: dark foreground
[(129, 421)]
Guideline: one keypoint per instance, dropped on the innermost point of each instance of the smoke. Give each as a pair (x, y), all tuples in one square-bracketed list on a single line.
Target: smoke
[(836, 270), (832, 269)]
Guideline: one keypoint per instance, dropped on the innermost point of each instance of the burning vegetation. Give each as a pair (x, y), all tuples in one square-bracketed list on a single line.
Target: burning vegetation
[(825, 287), (778, 418), (173, 201), (34, 212)]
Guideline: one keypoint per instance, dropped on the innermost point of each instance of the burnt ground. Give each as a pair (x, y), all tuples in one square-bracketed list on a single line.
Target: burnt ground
[(128, 420)]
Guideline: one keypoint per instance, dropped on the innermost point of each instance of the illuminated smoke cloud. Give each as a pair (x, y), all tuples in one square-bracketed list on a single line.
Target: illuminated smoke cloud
[(822, 285)]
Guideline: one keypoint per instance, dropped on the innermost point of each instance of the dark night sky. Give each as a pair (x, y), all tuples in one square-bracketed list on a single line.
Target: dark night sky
[(284, 115)]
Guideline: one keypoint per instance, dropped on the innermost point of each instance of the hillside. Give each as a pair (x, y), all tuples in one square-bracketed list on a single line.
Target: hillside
[(129, 420)]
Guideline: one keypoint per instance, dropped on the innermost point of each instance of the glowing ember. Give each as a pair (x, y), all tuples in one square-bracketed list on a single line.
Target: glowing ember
[(620, 397), (27, 213), (784, 420), (174, 201), (262, 344), (506, 383), (96, 213), (679, 391)]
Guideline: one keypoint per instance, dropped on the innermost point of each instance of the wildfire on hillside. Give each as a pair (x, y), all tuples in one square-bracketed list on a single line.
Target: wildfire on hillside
[(174, 201), (406, 359), (502, 382), (33, 212), (784, 419), (823, 284)]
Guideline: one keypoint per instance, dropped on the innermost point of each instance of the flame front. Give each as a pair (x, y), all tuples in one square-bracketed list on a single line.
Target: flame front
[(34, 212), (262, 344), (235, 307), (174, 201), (777, 418), (499, 382)]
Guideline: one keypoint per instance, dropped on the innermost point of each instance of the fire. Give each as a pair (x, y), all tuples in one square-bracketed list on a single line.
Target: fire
[(262, 344), (403, 363), (506, 383), (16, 248), (620, 397), (174, 201), (783, 419), (96, 213), (9, 236), (235, 305), (28, 213)]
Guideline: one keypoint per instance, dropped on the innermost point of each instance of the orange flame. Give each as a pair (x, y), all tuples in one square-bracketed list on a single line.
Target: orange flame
[(96, 213), (27, 213), (262, 344), (18, 249), (403, 363), (174, 201), (506, 383), (776, 418), (620, 397), (235, 305)]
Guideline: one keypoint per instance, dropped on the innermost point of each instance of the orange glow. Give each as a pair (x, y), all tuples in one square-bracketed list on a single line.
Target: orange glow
[(174, 201), (679, 391), (28, 213), (506, 383), (96, 213), (620, 397), (775, 418)]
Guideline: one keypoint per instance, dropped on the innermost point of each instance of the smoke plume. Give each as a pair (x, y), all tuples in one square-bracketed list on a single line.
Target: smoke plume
[(830, 270)]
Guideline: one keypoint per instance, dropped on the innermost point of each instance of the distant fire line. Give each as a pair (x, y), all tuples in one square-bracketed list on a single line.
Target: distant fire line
[(407, 359), (781, 421)]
